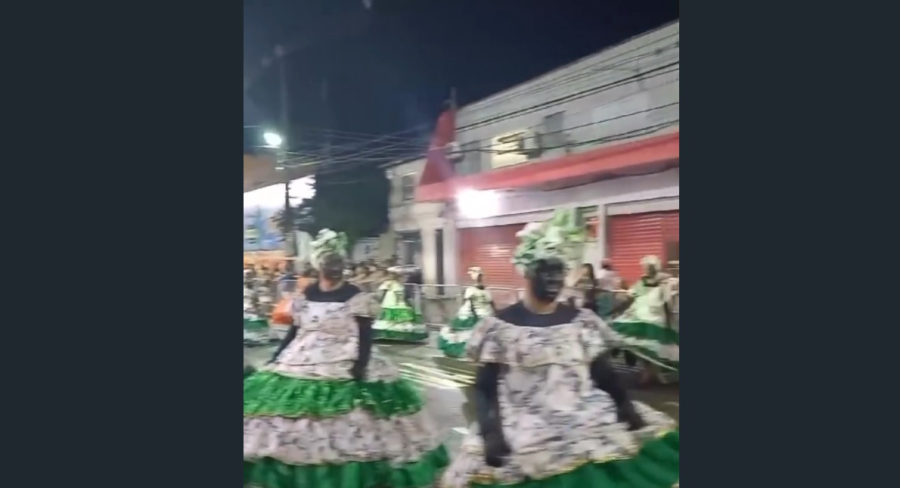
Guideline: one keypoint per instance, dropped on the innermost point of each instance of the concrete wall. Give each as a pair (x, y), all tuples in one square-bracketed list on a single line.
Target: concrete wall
[(640, 75)]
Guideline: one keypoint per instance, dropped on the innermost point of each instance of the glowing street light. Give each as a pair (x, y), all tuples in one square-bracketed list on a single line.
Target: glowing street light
[(272, 139), (477, 204)]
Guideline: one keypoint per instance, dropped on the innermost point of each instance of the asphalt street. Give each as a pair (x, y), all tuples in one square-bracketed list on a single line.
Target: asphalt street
[(443, 382)]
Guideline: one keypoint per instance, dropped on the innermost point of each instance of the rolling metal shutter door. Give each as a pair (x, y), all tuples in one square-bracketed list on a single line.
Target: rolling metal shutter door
[(631, 237), (491, 248)]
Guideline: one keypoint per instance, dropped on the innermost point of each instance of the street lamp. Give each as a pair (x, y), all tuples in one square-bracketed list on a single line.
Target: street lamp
[(477, 204), (272, 139)]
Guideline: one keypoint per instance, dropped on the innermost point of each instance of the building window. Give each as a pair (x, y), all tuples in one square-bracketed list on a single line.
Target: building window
[(552, 131), (409, 247), (470, 163), (407, 187)]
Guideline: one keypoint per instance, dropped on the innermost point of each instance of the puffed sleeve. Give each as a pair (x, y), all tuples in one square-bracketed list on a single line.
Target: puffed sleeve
[(486, 345), (362, 305), (597, 336)]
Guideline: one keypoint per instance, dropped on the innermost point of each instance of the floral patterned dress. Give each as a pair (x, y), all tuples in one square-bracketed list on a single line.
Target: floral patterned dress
[(561, 429), (454, 336), (645, 328), (308, 423), (398, 320)]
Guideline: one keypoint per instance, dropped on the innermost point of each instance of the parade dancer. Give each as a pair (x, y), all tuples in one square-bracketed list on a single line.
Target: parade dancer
[(608, 284), (551, 412), (646, 324), (398, 321), (327, 411), (477, 304)]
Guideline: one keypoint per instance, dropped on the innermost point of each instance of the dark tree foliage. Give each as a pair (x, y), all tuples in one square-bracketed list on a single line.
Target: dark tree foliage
[(352, 201)]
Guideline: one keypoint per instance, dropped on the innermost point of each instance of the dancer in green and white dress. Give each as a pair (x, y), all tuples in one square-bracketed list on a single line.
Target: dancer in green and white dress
[(551, 411), (328, 411), (398, 320), (646, 325), (477, 304)]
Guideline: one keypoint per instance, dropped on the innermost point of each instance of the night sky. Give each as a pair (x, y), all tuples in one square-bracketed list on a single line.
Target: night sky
[(391, 68)]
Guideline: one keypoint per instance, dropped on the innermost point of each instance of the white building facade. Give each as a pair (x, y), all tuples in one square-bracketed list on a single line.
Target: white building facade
[(418, 233), (600, 135)]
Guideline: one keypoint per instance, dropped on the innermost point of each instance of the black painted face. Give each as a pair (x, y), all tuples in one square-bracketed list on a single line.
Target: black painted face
[(332, 267), (547, 278)]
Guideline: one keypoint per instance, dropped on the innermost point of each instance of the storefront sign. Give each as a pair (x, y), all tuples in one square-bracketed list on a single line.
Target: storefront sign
[(511, 149)]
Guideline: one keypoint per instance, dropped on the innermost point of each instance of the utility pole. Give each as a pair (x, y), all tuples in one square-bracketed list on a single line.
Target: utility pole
[(290, 247)]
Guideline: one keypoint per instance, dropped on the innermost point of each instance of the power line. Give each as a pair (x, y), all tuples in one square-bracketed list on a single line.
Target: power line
[(630, 134), (658, 71), (584, 72), (396, 147), (357, 160), (398, 150)]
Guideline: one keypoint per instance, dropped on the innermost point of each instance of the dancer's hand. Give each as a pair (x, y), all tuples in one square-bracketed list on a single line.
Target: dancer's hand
[(495, 449), (628, 415), (358, 371)]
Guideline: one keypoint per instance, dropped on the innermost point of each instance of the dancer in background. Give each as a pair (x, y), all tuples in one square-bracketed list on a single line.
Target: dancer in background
[(398, 320), (646, 323), (256, 326), (477, 304), (608, 284), (551, 411), (327, 411)]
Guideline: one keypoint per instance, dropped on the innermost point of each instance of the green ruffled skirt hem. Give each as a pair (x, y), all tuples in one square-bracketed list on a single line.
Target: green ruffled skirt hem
[(647, 331), (452, 349), (643, 331), (271, 394), (400, 315), (269, 473), (467, 323), (656, 465), (396, 335)]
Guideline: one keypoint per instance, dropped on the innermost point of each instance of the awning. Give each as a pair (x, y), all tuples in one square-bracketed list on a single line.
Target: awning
[(595, 162)]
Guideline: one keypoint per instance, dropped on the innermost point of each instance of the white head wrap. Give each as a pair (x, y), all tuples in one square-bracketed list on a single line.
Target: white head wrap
[(651, 260), (558, 237), (328, 242), (474, 271)]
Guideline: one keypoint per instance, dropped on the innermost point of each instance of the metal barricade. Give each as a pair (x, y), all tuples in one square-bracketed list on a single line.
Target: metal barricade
[(438, 304)]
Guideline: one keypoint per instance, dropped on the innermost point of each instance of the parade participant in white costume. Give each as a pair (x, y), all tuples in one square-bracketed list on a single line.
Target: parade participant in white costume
[(551, 411), (646, 324), (477, 304), (398, 321), (327, 411)]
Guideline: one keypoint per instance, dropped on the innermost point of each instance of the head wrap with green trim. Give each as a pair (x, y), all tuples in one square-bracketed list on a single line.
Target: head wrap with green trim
[(328, 242), (560, 237)]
